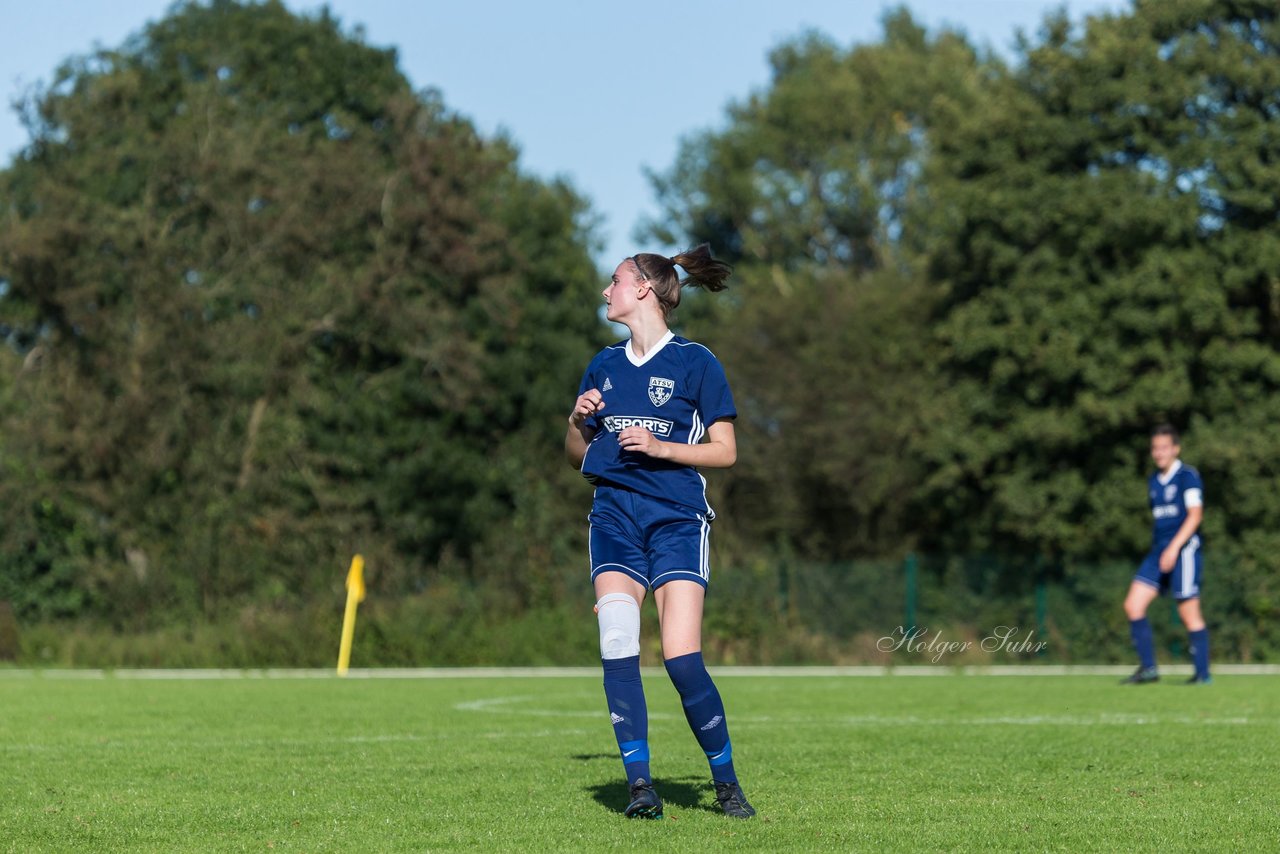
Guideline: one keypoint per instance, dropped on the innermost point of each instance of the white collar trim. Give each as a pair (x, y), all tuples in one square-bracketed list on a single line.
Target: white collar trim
[(639, 361), (1173, 469)]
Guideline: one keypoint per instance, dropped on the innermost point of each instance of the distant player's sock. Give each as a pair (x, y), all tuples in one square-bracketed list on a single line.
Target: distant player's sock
[(625, 694), (1200, 652), (704, 711), (1140, 630)]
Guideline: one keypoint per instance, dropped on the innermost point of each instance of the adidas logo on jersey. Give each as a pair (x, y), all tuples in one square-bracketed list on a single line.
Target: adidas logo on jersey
[(616, 718), (711, 724), (608, 384)]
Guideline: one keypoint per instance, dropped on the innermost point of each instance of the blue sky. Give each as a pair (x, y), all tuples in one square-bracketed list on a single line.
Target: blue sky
[(562, 78)]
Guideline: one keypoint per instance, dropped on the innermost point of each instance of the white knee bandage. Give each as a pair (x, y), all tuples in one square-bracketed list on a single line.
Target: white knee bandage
[(619, 616)]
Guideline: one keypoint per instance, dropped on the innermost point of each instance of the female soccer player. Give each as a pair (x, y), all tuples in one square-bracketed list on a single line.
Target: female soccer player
[(1175, 561), (649, 411)]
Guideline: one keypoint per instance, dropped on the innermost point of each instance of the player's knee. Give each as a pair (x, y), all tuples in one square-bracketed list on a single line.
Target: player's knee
[(1136, 603), (689, 676), (619, 616), (1189, 613)]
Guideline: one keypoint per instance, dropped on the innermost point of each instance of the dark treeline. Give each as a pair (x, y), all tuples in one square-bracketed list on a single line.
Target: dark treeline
[(264, 306)]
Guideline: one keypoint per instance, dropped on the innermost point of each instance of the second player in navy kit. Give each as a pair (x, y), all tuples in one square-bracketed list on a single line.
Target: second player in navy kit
[(1174, 564), (650, 411)]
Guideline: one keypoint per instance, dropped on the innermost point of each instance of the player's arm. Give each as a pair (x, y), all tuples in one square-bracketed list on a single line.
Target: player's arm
[(718, 451), (1185, 531), (580, 434)]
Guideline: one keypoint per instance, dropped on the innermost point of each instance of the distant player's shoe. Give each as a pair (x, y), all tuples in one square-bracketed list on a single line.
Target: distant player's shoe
[(732, 801), (1142, 676), (645, 802), (1199, 680)]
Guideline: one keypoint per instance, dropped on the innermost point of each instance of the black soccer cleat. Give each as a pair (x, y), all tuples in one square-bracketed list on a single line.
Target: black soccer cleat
[(645, 802), (732, 801), (1199, 680), (1142, 676)]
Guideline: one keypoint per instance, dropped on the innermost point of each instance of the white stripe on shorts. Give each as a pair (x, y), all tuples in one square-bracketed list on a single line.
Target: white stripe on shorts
[(1189, 566), (704, 549)]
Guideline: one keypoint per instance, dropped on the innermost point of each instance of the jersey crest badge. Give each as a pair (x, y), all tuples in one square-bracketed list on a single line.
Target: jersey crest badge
[(1170, 491), (660, 390)]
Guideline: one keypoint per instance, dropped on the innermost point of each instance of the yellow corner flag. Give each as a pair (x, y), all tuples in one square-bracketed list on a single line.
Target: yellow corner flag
[(355, 595)]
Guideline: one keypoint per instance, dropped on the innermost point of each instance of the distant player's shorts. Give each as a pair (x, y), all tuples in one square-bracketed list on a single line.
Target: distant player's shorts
[(652, 541), (1183, 581)]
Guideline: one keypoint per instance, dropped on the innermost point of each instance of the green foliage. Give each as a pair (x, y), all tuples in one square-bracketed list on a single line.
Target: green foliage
[(770, 611), (814, 192), (1096, 282), (828, 166), (265, 307), (273, 308), (967, 290)]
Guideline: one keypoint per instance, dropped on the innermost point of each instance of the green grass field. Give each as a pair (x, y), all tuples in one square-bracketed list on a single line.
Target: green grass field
[(896, 763)]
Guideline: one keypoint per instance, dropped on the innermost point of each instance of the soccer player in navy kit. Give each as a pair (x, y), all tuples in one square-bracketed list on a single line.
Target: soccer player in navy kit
[(1174, 562), (650, 411)]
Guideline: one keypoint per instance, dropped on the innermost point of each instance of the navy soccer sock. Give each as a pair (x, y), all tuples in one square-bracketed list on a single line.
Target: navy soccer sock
[(625, 694), (1200, 651), (704, 711), (1140, 630)]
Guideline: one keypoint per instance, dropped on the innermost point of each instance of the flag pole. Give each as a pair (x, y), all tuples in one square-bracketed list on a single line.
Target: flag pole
[(355, 595)]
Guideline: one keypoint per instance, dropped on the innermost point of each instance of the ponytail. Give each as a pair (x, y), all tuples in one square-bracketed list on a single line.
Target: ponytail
[(660, 272), (704, 271)]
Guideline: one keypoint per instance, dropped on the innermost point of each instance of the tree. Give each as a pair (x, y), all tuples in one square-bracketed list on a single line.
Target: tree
[(819, 191), (273, 307), (1098, 281)]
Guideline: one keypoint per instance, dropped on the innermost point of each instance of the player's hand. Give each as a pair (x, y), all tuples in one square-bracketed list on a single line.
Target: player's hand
[(641, 441), (1168, 559), (589, 403)]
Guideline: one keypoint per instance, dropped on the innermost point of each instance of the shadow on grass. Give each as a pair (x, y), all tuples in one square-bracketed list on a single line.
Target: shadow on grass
[(686, 792)]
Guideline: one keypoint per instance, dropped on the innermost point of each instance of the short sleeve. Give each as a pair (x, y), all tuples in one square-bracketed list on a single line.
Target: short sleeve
[(589, 382), (715, 400), (1193, 490)]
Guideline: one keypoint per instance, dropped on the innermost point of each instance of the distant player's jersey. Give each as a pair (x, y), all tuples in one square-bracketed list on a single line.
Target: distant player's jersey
[(1171, 495), (675, 391)]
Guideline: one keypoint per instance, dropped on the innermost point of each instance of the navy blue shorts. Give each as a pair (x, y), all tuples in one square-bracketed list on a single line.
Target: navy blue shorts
[(652, 541), (1183, 581)]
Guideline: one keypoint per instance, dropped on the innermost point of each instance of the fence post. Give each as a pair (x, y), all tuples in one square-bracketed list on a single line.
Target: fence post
[(784, 585), (909, 615), (1042, 610)]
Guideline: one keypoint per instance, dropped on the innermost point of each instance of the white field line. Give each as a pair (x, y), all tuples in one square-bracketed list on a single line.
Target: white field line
[(594, 672), (115, 744), (516, 706)]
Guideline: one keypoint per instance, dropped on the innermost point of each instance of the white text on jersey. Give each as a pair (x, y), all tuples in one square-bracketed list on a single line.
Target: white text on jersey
[(618, 423)]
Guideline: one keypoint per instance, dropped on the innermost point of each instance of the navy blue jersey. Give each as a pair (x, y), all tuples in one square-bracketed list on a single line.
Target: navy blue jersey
[(675, 391), (1171, 495)]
